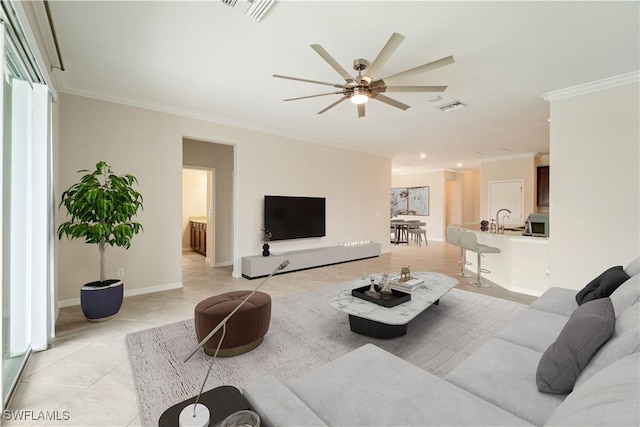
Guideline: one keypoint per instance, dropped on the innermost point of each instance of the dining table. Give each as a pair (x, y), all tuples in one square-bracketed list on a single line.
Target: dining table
[(400, 229)]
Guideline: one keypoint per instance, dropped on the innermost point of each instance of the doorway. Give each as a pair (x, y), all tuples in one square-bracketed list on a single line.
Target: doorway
[(26, 215), (218, 158), (507, 195), (198, 207)]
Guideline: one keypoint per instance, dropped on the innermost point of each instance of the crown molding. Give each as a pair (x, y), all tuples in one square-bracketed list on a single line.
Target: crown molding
[(192, 114), (529, 155), (608, 83)]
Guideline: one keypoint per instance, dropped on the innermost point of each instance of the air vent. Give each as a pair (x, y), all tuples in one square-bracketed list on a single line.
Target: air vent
[(452, 106), (230, 2), (258, 8)]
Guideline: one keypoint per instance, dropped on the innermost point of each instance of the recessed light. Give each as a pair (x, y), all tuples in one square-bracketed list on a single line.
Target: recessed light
[(459, 165), (434, 98), (422, 156)]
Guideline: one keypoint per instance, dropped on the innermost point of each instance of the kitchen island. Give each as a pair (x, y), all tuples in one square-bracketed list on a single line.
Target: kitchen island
[(521, 266)]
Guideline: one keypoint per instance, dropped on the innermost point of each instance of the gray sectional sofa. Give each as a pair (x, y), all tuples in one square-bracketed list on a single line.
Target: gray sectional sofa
[(496, 385)]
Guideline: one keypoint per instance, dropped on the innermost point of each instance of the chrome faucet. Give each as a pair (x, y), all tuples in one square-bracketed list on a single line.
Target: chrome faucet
[(498, 227)]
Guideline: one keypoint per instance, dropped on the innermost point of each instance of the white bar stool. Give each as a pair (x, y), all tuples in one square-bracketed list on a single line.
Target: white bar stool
[(469, 241), (453, 237)]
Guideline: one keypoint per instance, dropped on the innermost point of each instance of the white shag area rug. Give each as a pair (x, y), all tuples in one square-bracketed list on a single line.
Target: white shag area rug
[(304, 333)]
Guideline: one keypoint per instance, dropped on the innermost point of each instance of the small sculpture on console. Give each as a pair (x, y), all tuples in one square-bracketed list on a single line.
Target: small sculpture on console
[(405, 274), (385, 285)]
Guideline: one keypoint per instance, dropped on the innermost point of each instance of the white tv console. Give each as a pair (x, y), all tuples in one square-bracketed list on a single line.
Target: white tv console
[(257, 266)]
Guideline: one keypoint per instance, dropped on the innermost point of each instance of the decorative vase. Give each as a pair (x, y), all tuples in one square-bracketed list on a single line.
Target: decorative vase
[(265, 249)]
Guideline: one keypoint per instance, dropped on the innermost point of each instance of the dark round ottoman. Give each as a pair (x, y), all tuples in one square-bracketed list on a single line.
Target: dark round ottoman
[(246, 328)]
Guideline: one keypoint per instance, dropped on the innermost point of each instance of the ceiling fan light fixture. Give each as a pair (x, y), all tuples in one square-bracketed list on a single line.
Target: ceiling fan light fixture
[(359, 97)]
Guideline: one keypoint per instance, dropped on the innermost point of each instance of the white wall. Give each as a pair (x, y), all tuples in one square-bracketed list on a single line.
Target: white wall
[(194, 201), (521, 167), (595, 184), (437, 207), (148, 144)]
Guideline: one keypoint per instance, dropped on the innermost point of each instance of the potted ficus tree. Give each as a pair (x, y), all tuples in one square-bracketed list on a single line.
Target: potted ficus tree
[(101, 207)]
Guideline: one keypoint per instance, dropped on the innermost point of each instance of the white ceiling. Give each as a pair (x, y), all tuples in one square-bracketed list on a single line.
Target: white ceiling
[(209, 60)]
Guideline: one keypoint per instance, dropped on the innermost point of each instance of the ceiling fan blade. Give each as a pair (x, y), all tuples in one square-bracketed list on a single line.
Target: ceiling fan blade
[(361, 110), (422, 68), (334, 64), (390, 101), (312, 96), (387, 50), (412, 89), (307, 80), (333, 105)]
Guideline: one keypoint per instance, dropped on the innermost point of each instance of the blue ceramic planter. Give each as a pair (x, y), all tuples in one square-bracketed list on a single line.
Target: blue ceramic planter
[(101, 303)]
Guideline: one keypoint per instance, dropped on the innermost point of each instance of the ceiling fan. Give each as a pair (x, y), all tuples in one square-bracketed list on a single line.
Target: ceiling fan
[(361, 88)]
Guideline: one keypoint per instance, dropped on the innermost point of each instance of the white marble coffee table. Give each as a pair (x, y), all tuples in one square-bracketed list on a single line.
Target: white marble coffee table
[(377, 321)]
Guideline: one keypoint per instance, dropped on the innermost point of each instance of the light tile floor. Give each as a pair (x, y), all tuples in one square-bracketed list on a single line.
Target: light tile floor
[(86, 370)]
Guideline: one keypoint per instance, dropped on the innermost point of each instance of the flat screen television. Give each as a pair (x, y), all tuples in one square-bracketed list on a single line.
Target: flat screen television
[(289, 217)]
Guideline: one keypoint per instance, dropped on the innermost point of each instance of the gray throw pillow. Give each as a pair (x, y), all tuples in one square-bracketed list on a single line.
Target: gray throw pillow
[(590, 326)]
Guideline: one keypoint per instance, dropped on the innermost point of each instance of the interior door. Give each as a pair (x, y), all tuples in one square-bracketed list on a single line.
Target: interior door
[(507, 195)]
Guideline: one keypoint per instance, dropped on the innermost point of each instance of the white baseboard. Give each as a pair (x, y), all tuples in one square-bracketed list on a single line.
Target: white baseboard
[(127, 293), (526, 291), (68, 302), (224, 263)]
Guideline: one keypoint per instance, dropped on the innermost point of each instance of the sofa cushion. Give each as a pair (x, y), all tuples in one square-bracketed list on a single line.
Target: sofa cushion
[(609, 398), (603, 285), (633, 267), (371, 387), (588, 328), (535, 329), (557, 300), (503, 373), (628, 320), (277, 405), (626, 295), (624, 341)]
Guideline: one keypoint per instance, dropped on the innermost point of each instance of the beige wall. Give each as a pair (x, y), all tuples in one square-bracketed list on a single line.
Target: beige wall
[(453, 201), (148, 144), (355, 185), (470, 183), (194, 201), (453, 198), (437, 205), (506, 169), (595, 184)]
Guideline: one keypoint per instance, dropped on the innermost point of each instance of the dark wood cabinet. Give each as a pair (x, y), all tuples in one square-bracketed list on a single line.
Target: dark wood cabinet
[(199, 237), (543, 185)]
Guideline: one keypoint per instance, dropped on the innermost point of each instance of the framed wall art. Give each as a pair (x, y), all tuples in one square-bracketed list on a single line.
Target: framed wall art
[(410, 201)]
